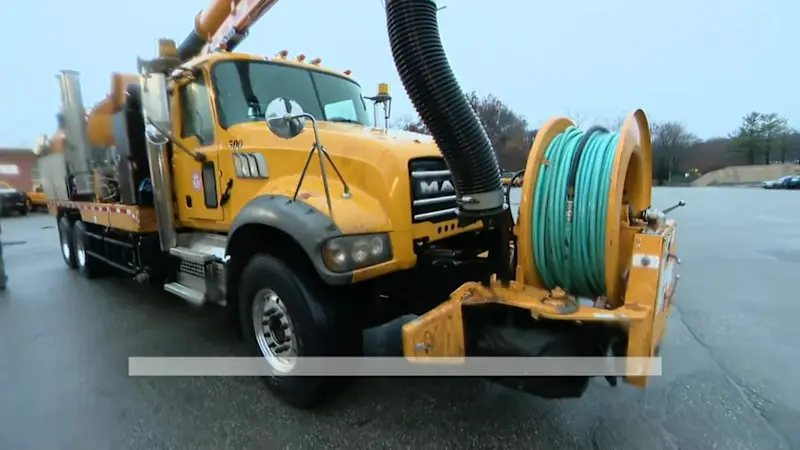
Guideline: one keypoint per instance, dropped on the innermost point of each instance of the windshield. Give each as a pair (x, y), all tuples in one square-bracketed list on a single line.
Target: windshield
[(245, 88)]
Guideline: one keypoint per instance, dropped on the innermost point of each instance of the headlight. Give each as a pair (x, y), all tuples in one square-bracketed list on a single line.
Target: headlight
[(346, 253)]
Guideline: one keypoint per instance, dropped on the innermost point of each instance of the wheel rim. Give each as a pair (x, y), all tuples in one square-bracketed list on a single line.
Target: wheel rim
[(274, 331), (80, 252), (65, 245)]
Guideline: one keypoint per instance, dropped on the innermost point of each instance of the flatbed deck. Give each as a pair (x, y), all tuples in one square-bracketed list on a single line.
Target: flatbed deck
[(137, 219)]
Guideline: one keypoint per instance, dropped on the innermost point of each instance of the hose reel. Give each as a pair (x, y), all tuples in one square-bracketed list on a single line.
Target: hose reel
[(578, 189)]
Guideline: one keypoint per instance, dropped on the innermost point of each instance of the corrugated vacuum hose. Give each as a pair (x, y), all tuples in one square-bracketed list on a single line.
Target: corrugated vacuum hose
[(441, 104)]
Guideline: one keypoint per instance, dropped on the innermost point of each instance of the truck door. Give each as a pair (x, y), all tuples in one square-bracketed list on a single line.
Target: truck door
[(197, 185)]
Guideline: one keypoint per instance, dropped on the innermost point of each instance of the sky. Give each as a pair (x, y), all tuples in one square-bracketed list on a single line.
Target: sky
[(705, 63)]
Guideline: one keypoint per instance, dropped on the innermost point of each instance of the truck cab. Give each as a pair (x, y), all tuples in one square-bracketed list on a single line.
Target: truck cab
[(385, 188)]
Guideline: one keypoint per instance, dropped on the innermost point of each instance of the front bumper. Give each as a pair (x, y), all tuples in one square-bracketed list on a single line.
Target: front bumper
[(642, 316)]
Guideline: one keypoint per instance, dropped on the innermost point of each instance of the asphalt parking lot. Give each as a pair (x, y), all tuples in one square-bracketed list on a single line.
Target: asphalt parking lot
[(732, 356)]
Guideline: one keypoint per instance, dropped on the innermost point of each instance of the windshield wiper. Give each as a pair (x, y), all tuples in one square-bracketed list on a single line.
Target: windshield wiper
[(343, 120)]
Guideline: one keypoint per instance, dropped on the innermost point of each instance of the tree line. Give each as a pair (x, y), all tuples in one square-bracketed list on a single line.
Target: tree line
[(761, 138)]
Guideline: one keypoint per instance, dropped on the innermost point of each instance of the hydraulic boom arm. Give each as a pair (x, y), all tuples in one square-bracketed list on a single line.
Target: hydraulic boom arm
[(223, 25)]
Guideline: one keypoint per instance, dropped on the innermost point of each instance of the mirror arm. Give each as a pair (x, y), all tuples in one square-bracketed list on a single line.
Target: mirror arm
[(346, 193), (199, 157), (320, 150), (303, 172)]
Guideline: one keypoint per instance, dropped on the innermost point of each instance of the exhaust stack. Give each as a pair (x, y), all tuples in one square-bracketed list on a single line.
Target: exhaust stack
[(77, 151)]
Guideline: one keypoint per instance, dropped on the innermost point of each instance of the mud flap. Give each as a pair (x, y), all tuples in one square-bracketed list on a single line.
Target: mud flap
[(386, 340)]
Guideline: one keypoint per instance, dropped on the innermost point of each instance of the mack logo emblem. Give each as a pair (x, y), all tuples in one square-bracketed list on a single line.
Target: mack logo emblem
[(435, 187)]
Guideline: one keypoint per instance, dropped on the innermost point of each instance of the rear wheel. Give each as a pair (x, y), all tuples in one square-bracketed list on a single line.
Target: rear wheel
[(285, 316), (87, 265), (67, 245)]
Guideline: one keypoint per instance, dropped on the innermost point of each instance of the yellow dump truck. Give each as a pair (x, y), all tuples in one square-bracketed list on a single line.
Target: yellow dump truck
[(36, 198), (260, 184)]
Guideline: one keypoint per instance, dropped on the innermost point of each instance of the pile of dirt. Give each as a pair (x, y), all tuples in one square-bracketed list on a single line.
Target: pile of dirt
[(746, 174)]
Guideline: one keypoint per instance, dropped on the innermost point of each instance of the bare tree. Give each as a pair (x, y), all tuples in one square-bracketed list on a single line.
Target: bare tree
[(577, 117), (674, 148), (408, 124), (507, 130), (615, 124), (711, 154), (670, 140)]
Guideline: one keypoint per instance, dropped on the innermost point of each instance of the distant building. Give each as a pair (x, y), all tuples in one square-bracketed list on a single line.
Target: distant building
[(18, 167)]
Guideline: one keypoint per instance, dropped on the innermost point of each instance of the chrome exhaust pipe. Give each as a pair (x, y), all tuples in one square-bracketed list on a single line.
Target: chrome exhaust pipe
[(77, 152)]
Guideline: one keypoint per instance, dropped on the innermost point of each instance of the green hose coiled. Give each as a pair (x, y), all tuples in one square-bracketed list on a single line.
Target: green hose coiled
[(571, 253)]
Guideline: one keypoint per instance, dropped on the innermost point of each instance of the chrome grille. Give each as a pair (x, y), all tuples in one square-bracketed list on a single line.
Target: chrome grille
[(433, 195)]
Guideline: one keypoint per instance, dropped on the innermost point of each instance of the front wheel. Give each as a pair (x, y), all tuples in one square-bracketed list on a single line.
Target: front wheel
[(286, 316)]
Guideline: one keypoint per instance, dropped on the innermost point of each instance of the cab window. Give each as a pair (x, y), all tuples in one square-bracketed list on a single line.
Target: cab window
[(342, 110), (196, 119), (245, 89)]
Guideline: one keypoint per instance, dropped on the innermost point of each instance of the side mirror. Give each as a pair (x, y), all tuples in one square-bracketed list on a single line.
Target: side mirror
[(155, 106), (285, 118)]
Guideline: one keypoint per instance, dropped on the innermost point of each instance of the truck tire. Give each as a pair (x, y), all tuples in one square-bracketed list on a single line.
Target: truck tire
[(283, 313), (66, 240), (87, 265)]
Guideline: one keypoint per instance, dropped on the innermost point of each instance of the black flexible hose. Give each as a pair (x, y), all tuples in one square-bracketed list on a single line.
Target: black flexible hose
[(573, 171), (191, 46), (441, 104), (511, 185)]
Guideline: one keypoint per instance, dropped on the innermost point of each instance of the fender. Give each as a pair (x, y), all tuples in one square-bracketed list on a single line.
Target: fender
[(306, 224)]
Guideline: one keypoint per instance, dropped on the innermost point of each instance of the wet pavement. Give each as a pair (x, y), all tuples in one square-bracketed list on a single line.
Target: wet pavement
[(732, 355)]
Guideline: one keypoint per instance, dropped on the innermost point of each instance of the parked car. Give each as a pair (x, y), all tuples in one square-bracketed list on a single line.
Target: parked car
[(36, 198), (787, 182), (12, 199), (793, 183)]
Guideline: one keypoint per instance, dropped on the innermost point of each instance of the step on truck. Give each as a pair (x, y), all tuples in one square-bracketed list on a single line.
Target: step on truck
[(263, 185)]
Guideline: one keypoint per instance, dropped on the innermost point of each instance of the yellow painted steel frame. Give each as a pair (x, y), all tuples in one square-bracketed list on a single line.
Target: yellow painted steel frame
[(123, 217), (640, 263)]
